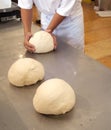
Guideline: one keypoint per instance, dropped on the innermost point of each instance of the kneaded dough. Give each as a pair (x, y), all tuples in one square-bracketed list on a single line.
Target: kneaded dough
[(42, 41), (25, 71), (54, 96)]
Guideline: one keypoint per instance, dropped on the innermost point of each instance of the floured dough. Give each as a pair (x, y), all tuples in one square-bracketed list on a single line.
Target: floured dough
[(42, 41), (54, 97), (25, 71)]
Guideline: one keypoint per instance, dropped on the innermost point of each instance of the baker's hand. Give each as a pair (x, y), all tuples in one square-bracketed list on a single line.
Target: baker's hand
[(55, 41), (54, 38), (27, 45)]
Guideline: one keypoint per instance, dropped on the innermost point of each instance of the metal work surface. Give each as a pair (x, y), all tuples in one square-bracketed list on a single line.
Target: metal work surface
[(90, 80)]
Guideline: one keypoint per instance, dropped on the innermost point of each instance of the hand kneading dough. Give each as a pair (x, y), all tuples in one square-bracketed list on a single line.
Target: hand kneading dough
[(25, 71), (42, 41), (54, 97)]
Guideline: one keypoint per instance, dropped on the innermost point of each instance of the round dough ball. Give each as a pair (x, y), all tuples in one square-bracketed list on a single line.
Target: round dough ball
[(25, 71), (54, 97), (42, 41)]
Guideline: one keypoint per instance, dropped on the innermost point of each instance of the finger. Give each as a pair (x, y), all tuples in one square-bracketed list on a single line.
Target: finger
[(29, 47), (55, 42)]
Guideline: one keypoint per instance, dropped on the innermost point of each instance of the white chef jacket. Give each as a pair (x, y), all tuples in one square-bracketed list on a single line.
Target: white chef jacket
[(71, 29)]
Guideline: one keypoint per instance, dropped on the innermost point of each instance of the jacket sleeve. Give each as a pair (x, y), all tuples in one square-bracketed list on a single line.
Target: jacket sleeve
[(65, 7), (25, 4)]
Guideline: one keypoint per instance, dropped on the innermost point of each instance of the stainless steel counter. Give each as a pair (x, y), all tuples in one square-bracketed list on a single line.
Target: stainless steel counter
[(90, 80)]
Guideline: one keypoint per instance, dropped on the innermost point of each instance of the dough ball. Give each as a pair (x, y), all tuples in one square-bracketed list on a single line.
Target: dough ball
[(42, 41), (25, 71), (54, 97)]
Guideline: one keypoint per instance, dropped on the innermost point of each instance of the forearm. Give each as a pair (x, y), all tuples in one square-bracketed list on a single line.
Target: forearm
[(56, 20), (26, 15)]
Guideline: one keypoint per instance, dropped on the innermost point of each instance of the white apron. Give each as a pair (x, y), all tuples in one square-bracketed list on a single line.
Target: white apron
[(71, 30)]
